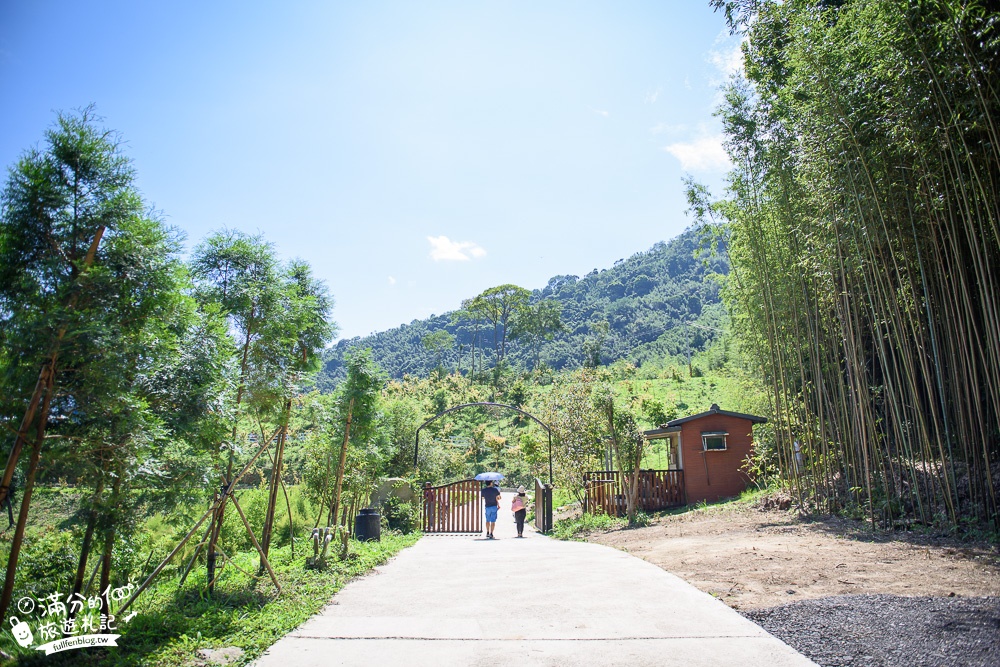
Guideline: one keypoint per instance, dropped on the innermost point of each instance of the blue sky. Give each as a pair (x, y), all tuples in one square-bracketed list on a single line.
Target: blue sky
[(415, 153)]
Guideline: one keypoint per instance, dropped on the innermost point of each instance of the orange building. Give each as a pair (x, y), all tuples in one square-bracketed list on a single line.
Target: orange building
[(710, 448)]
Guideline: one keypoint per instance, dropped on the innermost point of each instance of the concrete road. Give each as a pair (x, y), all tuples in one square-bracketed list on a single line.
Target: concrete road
[(463, 600)]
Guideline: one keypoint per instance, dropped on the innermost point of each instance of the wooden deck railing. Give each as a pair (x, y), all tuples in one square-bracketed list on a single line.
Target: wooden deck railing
[(658, 490)]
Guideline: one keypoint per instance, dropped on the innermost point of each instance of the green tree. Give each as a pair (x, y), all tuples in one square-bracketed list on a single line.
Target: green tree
[(474, 319), (594, 343), (90, 287), (537, 323), (361, 460), (627, 440), (297, 333), (501, 306), (240, 273), (437, 343), (577, 428)]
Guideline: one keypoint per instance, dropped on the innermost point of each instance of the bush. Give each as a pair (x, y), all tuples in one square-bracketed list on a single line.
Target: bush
[(46, 558), (641, 519), (400, 515)]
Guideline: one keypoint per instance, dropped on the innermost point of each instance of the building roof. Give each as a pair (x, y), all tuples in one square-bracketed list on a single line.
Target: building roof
[(675, 426), (661, 432), (714, 410)]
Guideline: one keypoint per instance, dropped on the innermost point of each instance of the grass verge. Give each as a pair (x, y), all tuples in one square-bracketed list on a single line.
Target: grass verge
[(173, 623), (577, 527)]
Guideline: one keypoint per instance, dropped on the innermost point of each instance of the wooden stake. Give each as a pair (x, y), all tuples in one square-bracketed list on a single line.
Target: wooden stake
[(340, 471)]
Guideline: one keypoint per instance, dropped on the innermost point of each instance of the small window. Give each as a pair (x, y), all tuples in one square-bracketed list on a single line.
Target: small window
[(714, 441)]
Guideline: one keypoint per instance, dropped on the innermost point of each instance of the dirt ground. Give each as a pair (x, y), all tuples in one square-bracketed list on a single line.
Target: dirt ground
[(754, 558)]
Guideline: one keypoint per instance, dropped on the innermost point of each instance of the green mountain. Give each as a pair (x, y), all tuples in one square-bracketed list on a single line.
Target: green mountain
[(657, 303)]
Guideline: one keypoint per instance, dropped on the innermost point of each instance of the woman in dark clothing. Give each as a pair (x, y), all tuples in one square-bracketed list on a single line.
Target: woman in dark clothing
[(520, 508)]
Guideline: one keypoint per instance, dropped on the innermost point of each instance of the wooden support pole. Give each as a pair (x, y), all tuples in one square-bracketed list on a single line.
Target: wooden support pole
[(253, 539), (217, 518), (272, 499), (291, 526), (211, 510), (88, 537), (109, 542), (29, 416), (180, 545), (197, 550), (335, 507), (29, 487), (45, 383)]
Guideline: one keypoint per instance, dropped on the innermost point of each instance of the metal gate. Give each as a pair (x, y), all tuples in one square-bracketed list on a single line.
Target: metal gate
[(543, 506), (452, 508)]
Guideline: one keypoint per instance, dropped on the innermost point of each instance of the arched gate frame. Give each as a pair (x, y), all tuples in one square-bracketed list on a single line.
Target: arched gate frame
[(548, 431)]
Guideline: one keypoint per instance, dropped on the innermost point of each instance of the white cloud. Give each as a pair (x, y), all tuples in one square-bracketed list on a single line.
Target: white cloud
[(728, 58), (702, 154), (652, 95), (444, 249), (601, 112), (727, 62), (392, 281)]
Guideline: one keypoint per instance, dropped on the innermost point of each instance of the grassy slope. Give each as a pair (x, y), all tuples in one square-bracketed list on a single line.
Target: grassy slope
[(172, 623)]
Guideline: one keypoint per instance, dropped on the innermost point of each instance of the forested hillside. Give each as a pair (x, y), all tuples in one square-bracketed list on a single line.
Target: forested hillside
[(664, 301)]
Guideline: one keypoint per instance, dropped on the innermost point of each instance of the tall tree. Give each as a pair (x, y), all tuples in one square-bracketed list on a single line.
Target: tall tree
[(85, 273), (538, 322), (359, 403), (594, 343), (501, 306), (437, 342), (578, 427), (303, 329), (470, 314), (627, 440), (240, 272)]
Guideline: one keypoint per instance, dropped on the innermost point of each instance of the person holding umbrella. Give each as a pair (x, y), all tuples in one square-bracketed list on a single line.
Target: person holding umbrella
[(491, 495)]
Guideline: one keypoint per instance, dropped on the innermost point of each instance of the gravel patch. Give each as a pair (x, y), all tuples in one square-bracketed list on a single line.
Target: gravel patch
[(888, 630)]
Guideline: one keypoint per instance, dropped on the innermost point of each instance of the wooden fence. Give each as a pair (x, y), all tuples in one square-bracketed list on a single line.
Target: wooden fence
[(453, 508), (658, 490)]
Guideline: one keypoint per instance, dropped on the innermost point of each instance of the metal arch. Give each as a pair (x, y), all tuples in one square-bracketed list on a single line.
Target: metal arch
[(548, 431)]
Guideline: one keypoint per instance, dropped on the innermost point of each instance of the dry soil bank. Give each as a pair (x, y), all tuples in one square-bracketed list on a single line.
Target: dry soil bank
[(831, 589), (753, 558)]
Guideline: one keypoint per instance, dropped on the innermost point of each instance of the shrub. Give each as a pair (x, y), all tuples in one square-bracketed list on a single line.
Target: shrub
[(400, 515)]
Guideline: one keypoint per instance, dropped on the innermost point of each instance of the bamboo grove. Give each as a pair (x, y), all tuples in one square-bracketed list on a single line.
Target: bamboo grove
[(863, 226)]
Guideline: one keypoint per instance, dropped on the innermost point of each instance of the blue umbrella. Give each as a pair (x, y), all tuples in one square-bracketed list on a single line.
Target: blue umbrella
[(489, 477)]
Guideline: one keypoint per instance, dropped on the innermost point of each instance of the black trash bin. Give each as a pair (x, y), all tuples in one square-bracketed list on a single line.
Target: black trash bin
[(367, 525)]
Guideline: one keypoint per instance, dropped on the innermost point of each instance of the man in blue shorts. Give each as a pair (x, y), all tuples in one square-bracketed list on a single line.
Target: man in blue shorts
[(492, 496)]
